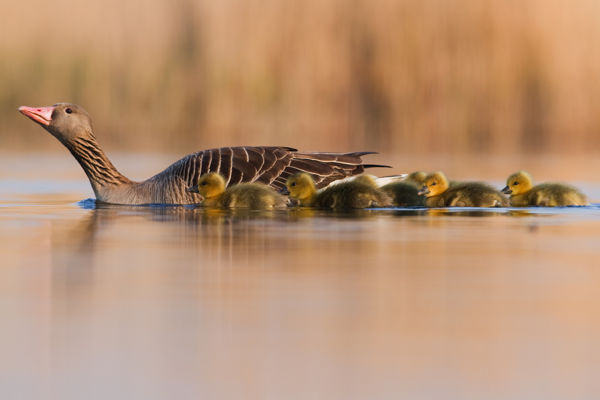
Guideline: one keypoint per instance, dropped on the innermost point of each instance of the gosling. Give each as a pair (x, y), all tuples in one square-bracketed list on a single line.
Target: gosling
[(522, 193), (255, 196), (406, 193), (439, 193), (357, 193)]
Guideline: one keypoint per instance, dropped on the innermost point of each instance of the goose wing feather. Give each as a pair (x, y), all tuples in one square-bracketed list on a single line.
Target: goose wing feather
[(269, 165)]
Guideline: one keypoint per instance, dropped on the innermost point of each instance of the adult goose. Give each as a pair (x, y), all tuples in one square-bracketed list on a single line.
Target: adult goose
[(72, 126)]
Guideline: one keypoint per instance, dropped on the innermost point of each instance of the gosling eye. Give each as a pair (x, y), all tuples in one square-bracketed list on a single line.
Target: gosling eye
[(433, 183), (293, 184), (68, 110), (204, 184), (515, 183)]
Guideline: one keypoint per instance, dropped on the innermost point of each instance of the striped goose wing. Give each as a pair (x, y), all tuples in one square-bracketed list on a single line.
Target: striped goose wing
[(269, 165), (324, 167)]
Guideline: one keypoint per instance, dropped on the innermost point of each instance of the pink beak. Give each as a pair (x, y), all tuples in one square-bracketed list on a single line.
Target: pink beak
[(41, 115)]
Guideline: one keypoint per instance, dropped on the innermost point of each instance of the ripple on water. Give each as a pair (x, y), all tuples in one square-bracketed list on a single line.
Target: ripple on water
[(387, 301)]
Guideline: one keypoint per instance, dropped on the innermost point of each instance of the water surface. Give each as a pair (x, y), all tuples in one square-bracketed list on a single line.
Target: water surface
[(180, 302)]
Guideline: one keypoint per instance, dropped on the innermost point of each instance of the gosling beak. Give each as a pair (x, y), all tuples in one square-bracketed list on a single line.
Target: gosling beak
[(506, 190), (424, 190), (41, 115), (192, 189), (284, 191)]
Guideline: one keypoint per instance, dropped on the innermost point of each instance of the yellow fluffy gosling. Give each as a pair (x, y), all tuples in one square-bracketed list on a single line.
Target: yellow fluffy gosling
[(406, 193), (255, 196), (357, 193), (522, 193), (439, 193)]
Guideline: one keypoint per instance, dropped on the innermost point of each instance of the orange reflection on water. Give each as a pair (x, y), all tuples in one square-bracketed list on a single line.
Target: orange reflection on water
[(150, 302)]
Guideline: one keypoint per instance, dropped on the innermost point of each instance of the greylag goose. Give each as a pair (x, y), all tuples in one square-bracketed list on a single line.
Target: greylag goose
[(72, 126), (522, 193), (440, 193), (358, 193), (255, 196)]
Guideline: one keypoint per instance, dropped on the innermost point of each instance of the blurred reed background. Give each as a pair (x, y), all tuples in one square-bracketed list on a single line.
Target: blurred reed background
[(409, 77)]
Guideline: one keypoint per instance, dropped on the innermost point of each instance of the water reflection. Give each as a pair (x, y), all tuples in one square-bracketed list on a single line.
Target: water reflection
[(75, 243), (151, 302)]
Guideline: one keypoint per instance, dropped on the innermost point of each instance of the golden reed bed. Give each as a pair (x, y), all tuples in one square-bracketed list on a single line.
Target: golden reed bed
[(401, 76)]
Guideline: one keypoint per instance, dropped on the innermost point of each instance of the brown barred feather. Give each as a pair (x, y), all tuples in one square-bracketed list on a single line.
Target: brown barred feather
[(269, 165)]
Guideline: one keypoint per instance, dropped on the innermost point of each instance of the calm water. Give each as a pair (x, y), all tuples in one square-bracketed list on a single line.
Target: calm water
[(175, 302)]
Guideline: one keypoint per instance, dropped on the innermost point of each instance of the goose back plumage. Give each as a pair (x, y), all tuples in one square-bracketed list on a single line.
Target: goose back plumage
[(270, 165)]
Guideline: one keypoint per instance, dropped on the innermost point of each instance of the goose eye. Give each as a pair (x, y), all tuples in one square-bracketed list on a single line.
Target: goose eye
[(293, 184), (433, 183), (68, 110), (515, 183), (203, 184)]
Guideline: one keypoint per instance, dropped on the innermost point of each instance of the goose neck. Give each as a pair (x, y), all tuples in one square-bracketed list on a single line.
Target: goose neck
[(98, 168)]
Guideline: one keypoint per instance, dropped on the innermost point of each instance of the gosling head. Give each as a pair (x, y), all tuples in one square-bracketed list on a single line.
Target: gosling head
[(366, 179), (434, 184), (301, 186), (417, 177), (209, 185), (64, 121), (518, 183)]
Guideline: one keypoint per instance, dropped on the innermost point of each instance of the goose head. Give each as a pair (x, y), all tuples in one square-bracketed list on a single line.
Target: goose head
[(518, 183), (434, 184), (64, 121), (301, 186), (209, 185)]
